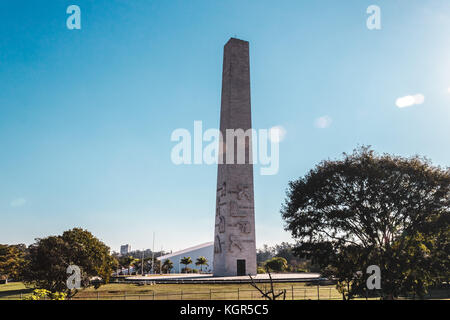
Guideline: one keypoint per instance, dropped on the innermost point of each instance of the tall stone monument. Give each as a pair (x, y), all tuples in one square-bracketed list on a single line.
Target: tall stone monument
[(234, 239)]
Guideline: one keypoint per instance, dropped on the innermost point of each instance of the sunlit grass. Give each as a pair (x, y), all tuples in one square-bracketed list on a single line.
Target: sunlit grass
[(14, 291), (204, 292)]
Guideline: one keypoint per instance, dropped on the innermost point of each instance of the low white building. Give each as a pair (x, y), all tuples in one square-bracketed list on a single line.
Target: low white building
[(203, 250)]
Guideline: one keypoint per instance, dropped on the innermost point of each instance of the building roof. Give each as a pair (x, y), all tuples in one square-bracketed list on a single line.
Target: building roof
[(200, 246)]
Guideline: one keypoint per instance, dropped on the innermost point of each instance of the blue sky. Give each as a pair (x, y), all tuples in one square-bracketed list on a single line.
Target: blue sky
[(86, 115)]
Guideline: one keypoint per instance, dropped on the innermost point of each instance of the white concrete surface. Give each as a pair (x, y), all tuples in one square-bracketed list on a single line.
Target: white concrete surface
[(205, 277)]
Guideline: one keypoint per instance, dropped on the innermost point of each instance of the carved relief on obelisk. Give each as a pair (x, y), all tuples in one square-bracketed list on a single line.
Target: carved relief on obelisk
[(234, 239)]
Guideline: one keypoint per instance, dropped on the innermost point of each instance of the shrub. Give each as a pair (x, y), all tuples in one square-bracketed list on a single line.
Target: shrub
[(186, 270), (43, 294), (276, 264), (261, 270)]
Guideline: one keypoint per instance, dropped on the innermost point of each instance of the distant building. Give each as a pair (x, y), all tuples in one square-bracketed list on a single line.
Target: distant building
[(125, 249), (203, 250)]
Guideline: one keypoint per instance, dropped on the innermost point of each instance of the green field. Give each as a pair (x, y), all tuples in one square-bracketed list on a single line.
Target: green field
[(14, 290), (203, 292), (114, 291)]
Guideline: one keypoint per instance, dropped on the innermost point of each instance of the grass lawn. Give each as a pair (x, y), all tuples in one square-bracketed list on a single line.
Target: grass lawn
[(114, 291), (13, 290), (203, 292), (128, 291)]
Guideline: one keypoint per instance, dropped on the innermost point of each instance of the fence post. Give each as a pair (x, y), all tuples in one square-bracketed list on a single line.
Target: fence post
[(292, 290)]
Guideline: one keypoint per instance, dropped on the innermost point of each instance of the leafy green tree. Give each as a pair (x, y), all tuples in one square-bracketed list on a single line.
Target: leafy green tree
[(343, 266), (147, 265), (285, 250), (186, 261), (438, 234), (385, 208), (260, 270), (89, 253), (157, 264), (167, 266), (264, 254), (47, 260), (201, 261), (11, 260), (127, 262), (276, 264)]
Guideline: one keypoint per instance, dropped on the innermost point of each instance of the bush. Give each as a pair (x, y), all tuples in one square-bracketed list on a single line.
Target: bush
[(261, 270), (276, 264), (43, 294)]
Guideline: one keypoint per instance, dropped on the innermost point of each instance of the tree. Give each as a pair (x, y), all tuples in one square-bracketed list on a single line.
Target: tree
[(201, 261), (264, 254), (378, 209), (186, 261), (167, 266), (48, 259), (11, 259), (89, 253), (276, 264), (137, 263), (341, 267), (285, 250), (127, 262)]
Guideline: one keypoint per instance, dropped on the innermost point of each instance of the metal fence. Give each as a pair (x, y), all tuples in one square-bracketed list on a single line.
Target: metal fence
[(291, 293)]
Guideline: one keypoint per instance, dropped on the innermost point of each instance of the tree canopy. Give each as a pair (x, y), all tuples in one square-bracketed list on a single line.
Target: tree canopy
[(374, 209), (201, 261), (48, 259), (11, 259), (167, 266), (186, 261), (277, 264)]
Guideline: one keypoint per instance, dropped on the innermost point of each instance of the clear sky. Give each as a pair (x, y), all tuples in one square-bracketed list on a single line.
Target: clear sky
[(86, 115)]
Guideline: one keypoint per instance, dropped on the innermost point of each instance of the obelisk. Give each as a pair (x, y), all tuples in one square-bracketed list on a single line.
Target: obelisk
[(234, 238)]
